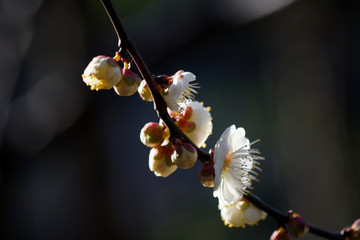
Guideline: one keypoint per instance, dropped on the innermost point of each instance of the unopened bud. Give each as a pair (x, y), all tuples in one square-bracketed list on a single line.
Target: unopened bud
[(184, 156), (280, 234), (144, 91), (102, 73), (160, 161), (207, 175), (151, 134), (298, 226), (129, 84), (354, 231)]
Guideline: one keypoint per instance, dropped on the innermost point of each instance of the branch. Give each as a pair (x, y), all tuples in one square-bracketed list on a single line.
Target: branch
[(281, 218), (175, 132)]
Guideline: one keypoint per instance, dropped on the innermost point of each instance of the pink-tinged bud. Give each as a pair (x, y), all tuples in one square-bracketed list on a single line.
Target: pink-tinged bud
[(151, 134), (184, 156), (207, 175), (160, 161), (356, 225), (298, 226), (129, 83), (144, 92), (102, 73), (280, 234), (354, 231)]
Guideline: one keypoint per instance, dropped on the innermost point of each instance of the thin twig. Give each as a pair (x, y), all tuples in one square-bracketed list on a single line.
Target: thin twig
[(281, 217)]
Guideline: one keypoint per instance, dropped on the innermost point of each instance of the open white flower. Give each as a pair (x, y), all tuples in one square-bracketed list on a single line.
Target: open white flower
[(102, 73), (240, 213), (180, 90), (234, 165), (201, 118), (194, 120)]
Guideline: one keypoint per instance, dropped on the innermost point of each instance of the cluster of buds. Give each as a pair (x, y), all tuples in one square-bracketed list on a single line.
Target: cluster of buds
[(192, 118), (177, 90), (104, 72), (165, 157), (298, 227)]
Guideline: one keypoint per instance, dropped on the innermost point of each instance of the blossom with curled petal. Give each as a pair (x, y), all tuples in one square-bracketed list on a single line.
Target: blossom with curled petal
[(194, 120), (241, 213), (234, 164), (180, 90), (102, 73)]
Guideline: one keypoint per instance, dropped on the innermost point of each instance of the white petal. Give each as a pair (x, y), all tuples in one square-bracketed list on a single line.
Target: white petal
[(238, 139)]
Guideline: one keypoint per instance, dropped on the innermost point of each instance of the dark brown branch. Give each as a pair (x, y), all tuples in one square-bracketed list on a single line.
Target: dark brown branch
[(175, 132)]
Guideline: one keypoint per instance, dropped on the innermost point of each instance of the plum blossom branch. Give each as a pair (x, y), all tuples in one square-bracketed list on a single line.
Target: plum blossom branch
[(159, 102), (160, 106)]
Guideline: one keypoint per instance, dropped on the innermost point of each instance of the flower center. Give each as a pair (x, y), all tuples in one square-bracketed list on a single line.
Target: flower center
[(227, 162)]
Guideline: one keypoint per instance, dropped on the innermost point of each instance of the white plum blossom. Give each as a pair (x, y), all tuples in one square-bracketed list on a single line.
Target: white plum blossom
[(241, 213), (102, 73), (180, 89), (202, 119), (194, 120), (234, 165)]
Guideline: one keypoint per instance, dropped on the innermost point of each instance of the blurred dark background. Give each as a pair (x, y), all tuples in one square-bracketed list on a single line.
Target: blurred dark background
[(72, 165)]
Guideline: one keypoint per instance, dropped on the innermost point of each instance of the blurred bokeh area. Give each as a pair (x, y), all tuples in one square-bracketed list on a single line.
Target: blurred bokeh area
[(73, 167)]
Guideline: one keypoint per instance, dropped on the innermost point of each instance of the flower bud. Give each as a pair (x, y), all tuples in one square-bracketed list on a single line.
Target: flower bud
[(298, 226), (102, 73), (207, 175), (129, 84), (280, 234), (151, 134), (353, 232), (144, 92), (356, 225), (184, 156), (160, 161)]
